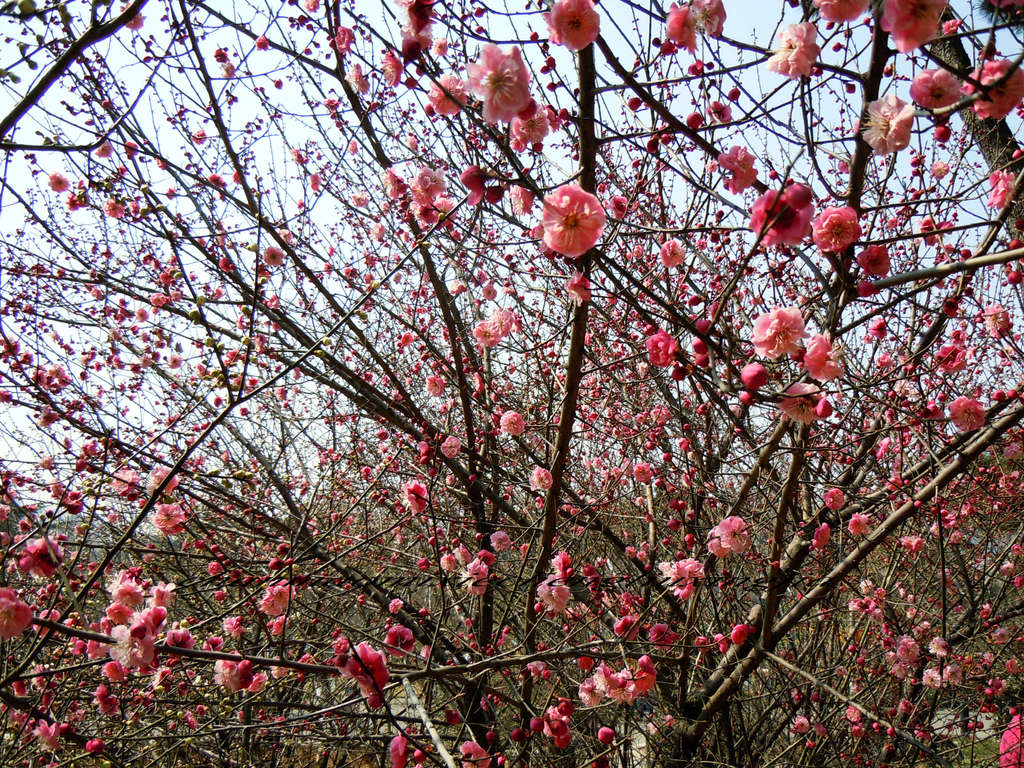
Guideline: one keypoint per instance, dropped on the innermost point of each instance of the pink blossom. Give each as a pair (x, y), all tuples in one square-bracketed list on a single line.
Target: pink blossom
[(477, 576), (912, 22), (680, 576), (125, 590), (661, 349), (682, 27), (553, 594), (796, 52), (822, 534), (836, 228), (779, 332), (157, 476), (59, 182), (800, 402), (41, 557), (501, 541), (787, 215), (740, 162), (672, 253), (578, 288), (889, 123), (729, 536), (512, 423), (275, 599), (842, 10), (967, 414), (451, 446), (573, 23), (391, 67), (573, 220), (47, 734), (999, 100), (415, 496), (935, 88), (235, 676), (427, 185), (169, 519), (502, 81), (822, 360), (474, 756), (435, 386), (522, 200), (358, 80), (15, 615), (448, 95), (1011, 744), (859, 524), (1001, 185), (834, 499), (643, 473), (370, 672), (997, 320), (400, 640), (529, 131), (874, 260), (540, 479)]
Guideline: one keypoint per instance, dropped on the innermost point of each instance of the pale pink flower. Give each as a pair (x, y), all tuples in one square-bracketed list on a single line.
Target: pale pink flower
[(889, 123), (786, 214), (729, 537), (578, 288), (427, 185), (540, 479), (680, 576), (935, 88), (358, 80), (273, 256), (512, 423), (522, 200), (912, 22), (672, 253), (939, 169), (435, 386), (740, 162), (15, 615), (233, 626), (967, 414), (169, 519), (448, 95), (529, 131), (573, 23), (451, 446), (474, 756), (501, 541), (275, 599), (573, 220), (59, 182), (796, 51), (1000, 100), (836, 228), (477, 577), (859, 524), (997, 320), (842, 10), (821, 359), (709, 16), (125, 590), (502, 82), (554, 594), (1001, 185), (874, 260), (800, 402), (779, 332), (661, 349)]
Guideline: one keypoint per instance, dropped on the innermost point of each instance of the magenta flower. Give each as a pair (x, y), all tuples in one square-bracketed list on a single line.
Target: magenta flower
[(573, 220), (874, 260)]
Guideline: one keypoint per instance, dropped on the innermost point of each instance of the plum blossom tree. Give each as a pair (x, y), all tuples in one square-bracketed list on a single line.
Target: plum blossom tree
[(541, 383)]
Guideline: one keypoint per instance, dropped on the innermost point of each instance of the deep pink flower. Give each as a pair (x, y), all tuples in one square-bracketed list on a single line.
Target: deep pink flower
[(842, 10), (573, 220), (935, 88), (821, 359), (398, 751), (682, 27), (672, 253), (740, 162), (836, 228), (859, 524), (874, 260), (15, 615), (889, 123), (502, 82), (967, 414), (275, 599), (474, 756), (1000, 100), (787, 215), (779, 332), (415, 496), (834, 499), (1011, 745), (728, 537), (573, 23), (512, 423), (912, 22), (578, 288), (796, 50), (41, 557), (661, 348), (800, 402), (821, 536)]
